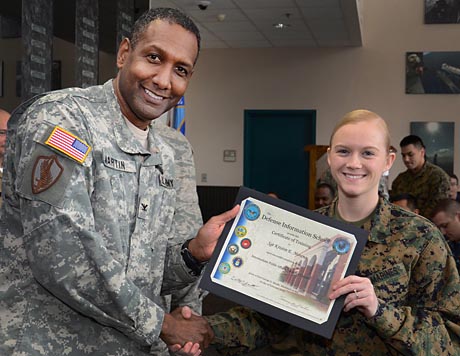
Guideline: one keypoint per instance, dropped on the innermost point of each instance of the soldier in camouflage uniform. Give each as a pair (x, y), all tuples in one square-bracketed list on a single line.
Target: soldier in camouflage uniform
[(446, 216), (405, 295), (424, 180), (101, 212)]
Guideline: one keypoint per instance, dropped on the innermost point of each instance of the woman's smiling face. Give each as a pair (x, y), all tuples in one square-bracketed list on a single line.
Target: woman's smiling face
[(358, 155)]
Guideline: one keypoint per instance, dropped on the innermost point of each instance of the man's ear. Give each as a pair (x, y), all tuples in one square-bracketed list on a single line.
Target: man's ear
[(123, 51)]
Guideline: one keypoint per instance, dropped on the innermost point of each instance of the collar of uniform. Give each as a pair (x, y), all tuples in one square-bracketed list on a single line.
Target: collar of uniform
[(422, 170), (378, 226), (123, 136)]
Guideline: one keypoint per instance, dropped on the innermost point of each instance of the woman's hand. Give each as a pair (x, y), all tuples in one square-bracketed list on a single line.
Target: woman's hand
[(359, 293)]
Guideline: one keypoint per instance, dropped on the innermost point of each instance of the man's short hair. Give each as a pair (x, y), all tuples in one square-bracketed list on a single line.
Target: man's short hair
[(454, 176), (412, 140), (411, 200), (328, 186), (171, 15), (450, 206)]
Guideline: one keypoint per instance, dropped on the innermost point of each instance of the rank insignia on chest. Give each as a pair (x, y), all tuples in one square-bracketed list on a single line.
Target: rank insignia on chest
[(165, 182), (46, 172), (69, 144)]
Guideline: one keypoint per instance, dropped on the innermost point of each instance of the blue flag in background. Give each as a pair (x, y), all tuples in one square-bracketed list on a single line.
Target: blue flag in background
[(179, 116)]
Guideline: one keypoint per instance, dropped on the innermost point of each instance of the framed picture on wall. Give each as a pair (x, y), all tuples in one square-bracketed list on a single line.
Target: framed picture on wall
[(442, 11), (438, 138), (432, 72)]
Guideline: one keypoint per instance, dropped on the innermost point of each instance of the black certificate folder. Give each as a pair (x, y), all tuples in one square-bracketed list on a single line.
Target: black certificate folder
[(282, 260)]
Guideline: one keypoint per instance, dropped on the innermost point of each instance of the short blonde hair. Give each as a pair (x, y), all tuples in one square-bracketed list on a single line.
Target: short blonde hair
[(361, 115)]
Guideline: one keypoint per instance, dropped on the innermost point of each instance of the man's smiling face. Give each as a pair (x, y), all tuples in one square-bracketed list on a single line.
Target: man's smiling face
[(154, 74)]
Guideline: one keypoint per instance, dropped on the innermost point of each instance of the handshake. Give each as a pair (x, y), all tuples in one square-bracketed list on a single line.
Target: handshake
[(183, 330), (186, 332)]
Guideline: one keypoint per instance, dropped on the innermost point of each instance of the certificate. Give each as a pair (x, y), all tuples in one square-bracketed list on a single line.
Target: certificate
[(282, 260)]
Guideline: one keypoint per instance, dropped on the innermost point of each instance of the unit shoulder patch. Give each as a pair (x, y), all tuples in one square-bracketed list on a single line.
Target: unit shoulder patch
[(45, 173)]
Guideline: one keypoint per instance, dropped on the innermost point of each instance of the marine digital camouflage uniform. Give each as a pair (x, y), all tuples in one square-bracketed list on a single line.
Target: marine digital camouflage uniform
[(429, 186), (90, 265), (415, 280)]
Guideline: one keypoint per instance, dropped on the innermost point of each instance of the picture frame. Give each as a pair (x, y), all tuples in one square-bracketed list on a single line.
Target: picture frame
[(439, 140), (433, 72), (442, 11)]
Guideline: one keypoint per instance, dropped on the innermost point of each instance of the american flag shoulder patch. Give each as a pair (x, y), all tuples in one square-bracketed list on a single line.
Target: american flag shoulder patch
[(68, 144)]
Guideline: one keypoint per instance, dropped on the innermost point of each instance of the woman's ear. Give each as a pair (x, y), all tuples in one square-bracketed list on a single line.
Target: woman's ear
[(390, 160)]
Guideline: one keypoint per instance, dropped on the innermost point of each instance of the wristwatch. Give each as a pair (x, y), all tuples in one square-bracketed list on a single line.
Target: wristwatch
[(191, 262)]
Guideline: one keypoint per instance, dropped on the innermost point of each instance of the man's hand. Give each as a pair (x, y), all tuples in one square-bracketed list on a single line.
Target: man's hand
[(186, 332), (190, 348), (202, 246)]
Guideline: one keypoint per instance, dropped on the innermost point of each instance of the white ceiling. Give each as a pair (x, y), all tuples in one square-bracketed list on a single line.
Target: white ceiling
[(249, 23)]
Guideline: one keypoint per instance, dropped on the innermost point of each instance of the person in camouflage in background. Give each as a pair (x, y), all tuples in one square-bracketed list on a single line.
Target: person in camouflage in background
[(422, 179), (404, 298), (101, 212)]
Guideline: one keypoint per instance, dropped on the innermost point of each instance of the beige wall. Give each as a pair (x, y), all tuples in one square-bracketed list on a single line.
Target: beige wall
[(331, 81)]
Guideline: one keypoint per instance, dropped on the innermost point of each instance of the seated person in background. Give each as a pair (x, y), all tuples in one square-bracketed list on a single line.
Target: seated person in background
[(424, 180), (324, 195), (405, 295), (446, 216), (405, 201), (326, 177), (453, 193)]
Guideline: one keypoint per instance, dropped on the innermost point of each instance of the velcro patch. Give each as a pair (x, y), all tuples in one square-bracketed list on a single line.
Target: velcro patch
[(68, 144), (46, 172)]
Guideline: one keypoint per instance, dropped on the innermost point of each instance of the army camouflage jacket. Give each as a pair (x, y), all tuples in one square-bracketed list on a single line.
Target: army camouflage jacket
[(429, 186), (92, 228)]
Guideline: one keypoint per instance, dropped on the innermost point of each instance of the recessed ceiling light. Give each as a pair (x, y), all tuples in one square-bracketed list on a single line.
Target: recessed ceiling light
[(283, 23), (280, 25)]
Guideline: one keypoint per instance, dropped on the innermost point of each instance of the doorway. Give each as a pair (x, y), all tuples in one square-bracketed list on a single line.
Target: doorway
[(274, 156)]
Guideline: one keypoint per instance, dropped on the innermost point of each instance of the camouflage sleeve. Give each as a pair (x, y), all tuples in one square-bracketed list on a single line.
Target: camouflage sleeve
[(439, 189), (191, 296), (186, 223), (429, 324), (240, 330), (67, 256)]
